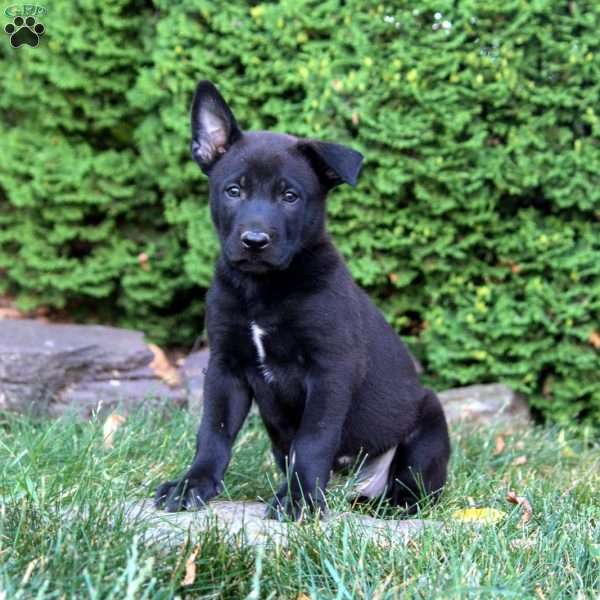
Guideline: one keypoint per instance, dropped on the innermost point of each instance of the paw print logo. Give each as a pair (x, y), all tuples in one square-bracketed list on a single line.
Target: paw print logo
[(24, 31)]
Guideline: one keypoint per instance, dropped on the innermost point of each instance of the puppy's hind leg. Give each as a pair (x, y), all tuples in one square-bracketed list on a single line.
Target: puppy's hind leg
[(419, 467), (373, 476)]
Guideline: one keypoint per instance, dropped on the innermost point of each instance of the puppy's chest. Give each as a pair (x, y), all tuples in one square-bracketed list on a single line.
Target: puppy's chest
[(274, 352)]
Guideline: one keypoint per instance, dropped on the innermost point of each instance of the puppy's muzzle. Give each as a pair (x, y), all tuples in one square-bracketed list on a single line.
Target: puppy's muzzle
[(255, 240)]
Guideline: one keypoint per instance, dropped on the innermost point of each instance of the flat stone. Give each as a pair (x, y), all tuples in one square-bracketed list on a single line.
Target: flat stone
[(89, 397), (244, 522), (485, 404), (47, 369), (192, 372)]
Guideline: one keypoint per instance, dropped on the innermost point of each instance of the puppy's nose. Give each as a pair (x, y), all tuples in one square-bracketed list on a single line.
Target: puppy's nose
[(255, 240)]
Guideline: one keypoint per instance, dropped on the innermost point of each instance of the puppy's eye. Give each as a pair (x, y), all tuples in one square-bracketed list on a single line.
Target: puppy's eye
[(233, 191), (290, 196)]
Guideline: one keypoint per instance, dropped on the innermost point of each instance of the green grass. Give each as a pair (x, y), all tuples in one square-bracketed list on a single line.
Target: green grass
[(49, 466)]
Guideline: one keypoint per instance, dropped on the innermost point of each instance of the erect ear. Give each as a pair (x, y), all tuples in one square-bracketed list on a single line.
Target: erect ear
[(333, 163), (214, 128)]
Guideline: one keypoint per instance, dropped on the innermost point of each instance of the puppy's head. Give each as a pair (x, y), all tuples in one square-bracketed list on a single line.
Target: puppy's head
[(267, 190)]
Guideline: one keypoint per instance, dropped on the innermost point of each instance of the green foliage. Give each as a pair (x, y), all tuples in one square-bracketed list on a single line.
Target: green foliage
[(77, 205), (476, 225)]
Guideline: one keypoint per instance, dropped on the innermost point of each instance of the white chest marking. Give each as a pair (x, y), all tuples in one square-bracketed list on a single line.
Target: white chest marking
[(257, 335)]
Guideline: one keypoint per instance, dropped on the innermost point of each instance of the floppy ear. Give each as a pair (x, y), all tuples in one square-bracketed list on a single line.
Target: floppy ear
[(214, 128), (334, 163)]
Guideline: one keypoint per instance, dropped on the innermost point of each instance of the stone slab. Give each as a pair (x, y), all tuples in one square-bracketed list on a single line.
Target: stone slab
[(244, 522)]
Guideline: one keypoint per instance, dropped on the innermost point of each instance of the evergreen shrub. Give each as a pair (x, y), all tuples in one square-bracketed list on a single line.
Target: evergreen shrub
[(476, 223)]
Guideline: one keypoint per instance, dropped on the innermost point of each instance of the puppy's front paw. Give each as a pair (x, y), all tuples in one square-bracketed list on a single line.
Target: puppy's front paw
[(187, 493), (295, 509)]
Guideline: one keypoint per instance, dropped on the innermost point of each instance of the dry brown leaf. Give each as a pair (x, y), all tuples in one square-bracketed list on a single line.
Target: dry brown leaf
[(525, 505), (163, 368), (413, 544), (302, 596), (355, 118), (112, 423), (11, 313), (595, 339), (500, 444), (190, 567), (520, 460), (539, 592), (144, 261)]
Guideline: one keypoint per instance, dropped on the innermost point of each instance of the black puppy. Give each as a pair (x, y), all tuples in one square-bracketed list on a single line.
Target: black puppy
[(289, 328)]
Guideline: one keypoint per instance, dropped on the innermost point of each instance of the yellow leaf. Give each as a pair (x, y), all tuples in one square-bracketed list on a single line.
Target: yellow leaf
[(480, 515)]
